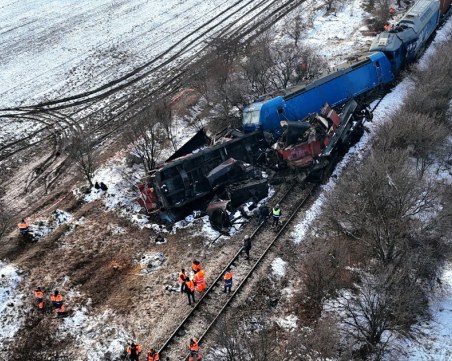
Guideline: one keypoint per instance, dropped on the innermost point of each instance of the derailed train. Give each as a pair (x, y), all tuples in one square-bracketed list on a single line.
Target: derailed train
[(389, 53), (311, 122)]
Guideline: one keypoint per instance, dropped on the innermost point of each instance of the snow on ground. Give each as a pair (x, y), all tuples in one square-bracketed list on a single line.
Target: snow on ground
[(43, 227), (436, 342), (288, 322), (341, 30), (279, 267), (389, 104), (54, 48), (11, 302), (88, 330)]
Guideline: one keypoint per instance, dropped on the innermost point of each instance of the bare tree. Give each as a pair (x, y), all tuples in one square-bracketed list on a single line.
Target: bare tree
[(379, 204), (381, 306), (258, 65), (80, 149), (295, 27), (321, 341), (163, 114), (146, 134)]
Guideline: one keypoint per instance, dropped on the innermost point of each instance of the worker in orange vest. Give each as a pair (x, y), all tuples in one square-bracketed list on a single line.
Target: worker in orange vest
[(190, 290), (227, 281), (152, 355), (194, 348), (57, 301), (182, 278), (134, 351), (39, 298), (196, 266), (387, 27), (199, 280), (23, 227)]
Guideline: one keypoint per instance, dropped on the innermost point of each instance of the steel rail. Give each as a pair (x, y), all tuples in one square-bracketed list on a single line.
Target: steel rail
[(219, 278)]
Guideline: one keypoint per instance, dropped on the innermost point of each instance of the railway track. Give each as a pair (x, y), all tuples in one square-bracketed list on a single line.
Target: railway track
[(213, 303), (110, 119)]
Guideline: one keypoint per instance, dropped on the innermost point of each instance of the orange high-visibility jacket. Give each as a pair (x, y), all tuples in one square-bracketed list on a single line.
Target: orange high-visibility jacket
[(137, 349), (156, 357), (39, 294), (194, 345), (182, 277), (199, 280), (190, 285), (57, 298), (227, 276)]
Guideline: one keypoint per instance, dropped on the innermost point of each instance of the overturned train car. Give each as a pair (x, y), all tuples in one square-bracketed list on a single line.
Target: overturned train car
[(191, 179)]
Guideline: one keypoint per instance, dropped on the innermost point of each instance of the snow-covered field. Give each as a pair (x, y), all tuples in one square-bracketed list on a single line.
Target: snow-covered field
[(55, 48), (62, 47)]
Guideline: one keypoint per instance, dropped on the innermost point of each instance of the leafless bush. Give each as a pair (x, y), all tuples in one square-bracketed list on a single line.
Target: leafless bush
[(293, 64), (80, 149), (420, 134), (321, 277), (380, 11), (431, 89), (379, 204), (383, 305), (237, 341), (320, 342)]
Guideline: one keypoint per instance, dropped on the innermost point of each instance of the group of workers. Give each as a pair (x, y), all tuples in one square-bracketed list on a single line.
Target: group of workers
[(56, 298), (134, 352), (198, 281), (187, 285)]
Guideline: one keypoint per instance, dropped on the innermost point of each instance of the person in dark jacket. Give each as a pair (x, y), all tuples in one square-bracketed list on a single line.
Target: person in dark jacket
[(264, 213), (247, 246), (190, 290)]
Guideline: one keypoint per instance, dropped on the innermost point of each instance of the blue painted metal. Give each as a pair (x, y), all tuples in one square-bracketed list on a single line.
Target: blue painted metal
[(405, 42), (350, 81)]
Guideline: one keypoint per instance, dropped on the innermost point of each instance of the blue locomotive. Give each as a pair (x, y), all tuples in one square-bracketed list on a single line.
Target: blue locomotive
[(405, 42), (391, 50)]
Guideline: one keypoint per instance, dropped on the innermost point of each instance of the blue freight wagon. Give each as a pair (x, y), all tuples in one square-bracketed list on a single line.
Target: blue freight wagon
[(350, 81)]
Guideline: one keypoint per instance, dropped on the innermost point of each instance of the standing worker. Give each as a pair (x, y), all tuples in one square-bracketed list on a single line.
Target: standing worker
[(194, 348), (264, 212), (24, 229), (196, 266), (39, 298), (199, 280), (247, 246), (190, 290), (276, 214), (152, 355), (227, 281), (57, 301), (134, 351), (182, 278)]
